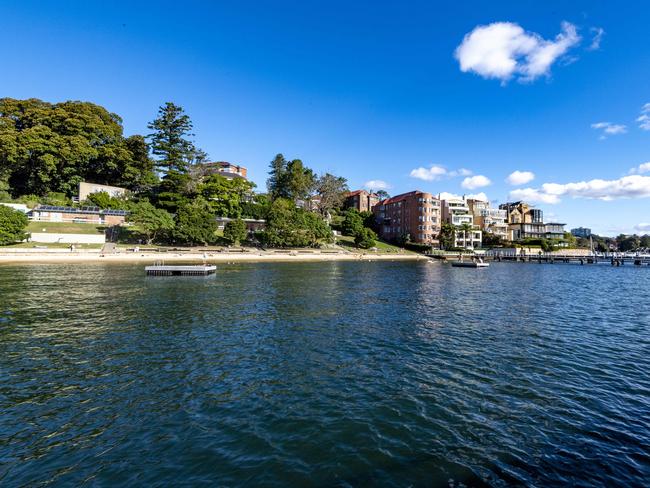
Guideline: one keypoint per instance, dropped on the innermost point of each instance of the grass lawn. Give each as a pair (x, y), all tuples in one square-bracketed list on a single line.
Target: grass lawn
[(382, 247), (65, 228)]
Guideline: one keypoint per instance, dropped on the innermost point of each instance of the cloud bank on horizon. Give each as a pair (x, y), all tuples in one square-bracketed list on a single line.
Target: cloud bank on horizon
[(634, 185), (504, 50)]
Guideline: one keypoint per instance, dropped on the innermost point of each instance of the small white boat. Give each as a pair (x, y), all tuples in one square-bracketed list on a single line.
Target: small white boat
[(469, 264)]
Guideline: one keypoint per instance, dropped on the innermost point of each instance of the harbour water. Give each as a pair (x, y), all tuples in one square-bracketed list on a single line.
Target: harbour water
[(321, 374)]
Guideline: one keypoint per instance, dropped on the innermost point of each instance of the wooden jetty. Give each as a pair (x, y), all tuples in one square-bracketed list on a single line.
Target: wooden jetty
[(619, 260), (176, 270)]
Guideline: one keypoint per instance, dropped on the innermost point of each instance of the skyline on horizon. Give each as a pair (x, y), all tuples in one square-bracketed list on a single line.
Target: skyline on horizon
[(515, 102)]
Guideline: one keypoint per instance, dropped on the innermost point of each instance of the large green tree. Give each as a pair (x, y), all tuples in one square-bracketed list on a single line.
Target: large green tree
[(195, 223), (225, 195), (289, 226), (171, 139), (47, 147), (290, 179), (12, 225), (151, 221)]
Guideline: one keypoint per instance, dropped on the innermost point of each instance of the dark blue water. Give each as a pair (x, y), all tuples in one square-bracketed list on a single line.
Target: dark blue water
[(348, 374)]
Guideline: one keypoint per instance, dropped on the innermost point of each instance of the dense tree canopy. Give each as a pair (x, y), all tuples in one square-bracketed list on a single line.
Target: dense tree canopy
[(289, 226), (195, 223), (12, 225), (226, 196), (290, 179), (150, 220), (48, 147)]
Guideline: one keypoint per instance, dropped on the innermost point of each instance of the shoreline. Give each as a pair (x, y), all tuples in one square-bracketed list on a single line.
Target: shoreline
[(136, 258)]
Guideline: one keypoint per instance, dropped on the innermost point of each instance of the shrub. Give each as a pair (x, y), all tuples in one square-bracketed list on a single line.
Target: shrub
[(365, 238)]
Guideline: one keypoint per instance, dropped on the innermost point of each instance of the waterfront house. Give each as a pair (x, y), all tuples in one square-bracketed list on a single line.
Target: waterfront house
[(527, 222), (489, 220), (456, 211), (415, 215)]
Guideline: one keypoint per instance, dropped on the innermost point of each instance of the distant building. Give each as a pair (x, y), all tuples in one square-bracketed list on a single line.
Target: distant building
[(361, 200), (490, 220), (86, 189), (527, 222), (456, 212), (223, 168), (581, 232), (21, 207), (89, 215), (415, 214)]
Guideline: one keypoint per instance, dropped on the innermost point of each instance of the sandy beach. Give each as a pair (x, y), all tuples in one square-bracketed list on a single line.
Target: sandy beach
[(64, 256)]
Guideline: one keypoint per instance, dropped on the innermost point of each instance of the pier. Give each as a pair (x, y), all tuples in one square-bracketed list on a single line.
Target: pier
[(576, 259), (174, 270)]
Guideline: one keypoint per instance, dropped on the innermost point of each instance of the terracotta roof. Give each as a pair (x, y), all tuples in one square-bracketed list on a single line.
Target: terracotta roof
[(399, 198)]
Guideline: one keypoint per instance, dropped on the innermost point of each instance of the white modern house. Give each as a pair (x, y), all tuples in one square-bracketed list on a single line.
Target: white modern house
[(457, 213)]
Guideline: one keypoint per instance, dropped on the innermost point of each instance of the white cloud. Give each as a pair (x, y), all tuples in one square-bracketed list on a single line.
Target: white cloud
[(478, 196), (433, 173), (533, 195), (644, 118), (376, 185), (503, 49), (520, 177), (437, 172), (640, 169), (642, 226), (598, 33), (609, 128), (449, 196), (631, 186), (474, 182)]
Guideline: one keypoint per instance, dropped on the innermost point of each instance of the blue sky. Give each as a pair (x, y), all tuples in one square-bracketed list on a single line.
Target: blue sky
[(373, 90)]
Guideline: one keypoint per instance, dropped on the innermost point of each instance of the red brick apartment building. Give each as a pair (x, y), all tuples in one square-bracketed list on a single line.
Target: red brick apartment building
[(362, 200), (415, 213)]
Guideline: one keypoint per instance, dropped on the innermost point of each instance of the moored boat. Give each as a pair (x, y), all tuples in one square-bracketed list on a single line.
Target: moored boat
[(469, 264)]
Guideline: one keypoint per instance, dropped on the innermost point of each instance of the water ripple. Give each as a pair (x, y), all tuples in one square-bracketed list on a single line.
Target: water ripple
[(348, 374)]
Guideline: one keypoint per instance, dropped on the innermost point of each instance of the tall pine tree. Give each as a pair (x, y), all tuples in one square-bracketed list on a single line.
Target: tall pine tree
[(170, 139)]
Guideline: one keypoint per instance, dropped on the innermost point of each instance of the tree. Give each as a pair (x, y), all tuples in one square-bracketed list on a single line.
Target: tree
[(382, 194), (288, 226), (277, 178), (48, 147), (235, 231), (447, 236), (352, 222), (331, 192), (492, 240), (195, 223), (256, 207), (152, 221), (170, 139), (224, 195), (365, 238), (299, 180), (290, 180), (12, 225)]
